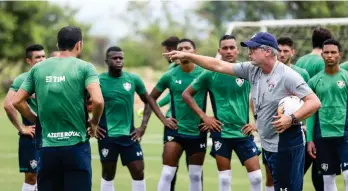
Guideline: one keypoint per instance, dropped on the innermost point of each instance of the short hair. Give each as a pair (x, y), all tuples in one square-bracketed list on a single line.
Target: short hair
[(68, 37), (188, 40), (171, 43), (226, 37), (319, 35), (31, 48), (113, 48), (286, 41), (332, 42), (274, 51)]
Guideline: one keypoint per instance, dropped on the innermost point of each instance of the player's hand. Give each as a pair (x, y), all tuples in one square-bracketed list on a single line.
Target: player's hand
[(94, 130), (282, 123), (312, 151), (171, 123), (28, 130), (210, 123), (137, 134), (173, 55), (248, 129)]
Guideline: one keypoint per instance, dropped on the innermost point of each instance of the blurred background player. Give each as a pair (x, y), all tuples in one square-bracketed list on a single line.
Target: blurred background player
[(328, 126), (230, 129), (187, 136), (118, 89), (60, 85), (313, 63), (27, 152)]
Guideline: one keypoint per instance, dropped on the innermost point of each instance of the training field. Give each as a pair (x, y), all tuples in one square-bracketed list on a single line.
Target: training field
[(11, 179)]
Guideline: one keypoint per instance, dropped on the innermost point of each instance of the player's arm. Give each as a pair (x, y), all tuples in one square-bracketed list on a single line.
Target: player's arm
[(248, 129), (97, 102), (11, 111), (206, 62), (20, 103)]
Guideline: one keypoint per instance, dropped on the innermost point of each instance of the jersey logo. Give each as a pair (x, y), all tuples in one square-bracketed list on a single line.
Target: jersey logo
[(178, 81), (50, 79), (345, 164), (105, 152), (217, 145), (341, 84), (283, 189), (33, 164), (271, 86), (240, 82), (202, 145), (170, 138), (324, 166), (139, 153), (127, 86)]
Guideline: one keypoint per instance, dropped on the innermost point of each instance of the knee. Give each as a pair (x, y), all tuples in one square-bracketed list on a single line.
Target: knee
[(138, 174), (195, 172), (329, 179), (168, 173), (108, 175), (255, 177), (225, 178), (30, 178)]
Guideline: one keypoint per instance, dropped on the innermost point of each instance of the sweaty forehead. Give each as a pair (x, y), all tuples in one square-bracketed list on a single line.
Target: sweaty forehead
[(184, 44), (115, 54), (228, 42)]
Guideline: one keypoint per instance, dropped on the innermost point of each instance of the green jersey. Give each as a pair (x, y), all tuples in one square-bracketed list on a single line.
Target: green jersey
[(60, 86), (333, 94), (177, 81), (17, 84), (118, 94), (312, 63), (344, 65), (301, 71), (230, 101)]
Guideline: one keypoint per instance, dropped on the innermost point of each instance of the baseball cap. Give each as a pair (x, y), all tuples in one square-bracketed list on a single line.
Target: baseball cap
[(261, 38)]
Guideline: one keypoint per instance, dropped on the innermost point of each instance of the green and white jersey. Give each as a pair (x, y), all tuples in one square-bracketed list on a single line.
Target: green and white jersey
[(312, 63), (177, 81), (118, 94), (344, 65), (301, 71), (60, 86), (230, 101), (333, 93)]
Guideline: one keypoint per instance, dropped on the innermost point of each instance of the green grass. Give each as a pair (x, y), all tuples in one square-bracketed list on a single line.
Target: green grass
[(11, 179)]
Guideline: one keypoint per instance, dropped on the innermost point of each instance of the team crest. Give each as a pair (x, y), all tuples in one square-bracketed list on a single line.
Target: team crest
[(324, 166), (271, 86), (127, 86), (105, 152), (240, 82), (33, 164), (341, 84), (170, 138), (217, 145)]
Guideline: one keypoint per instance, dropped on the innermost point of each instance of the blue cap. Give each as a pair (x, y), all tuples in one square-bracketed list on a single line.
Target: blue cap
[(261, 38)]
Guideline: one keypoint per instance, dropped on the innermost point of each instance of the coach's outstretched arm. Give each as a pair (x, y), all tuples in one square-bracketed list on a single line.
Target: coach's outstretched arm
[(206, 62)]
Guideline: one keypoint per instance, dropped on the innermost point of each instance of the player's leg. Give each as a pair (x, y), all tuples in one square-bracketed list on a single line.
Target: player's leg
[(50, 171), (248, 155), (77, 167), (28, 160), (343, 151), (172, 152), (222, 152), (328, 161), (317, 178), (132, 156), (165, 139), (269, 179), (108, 153), (195, 150)]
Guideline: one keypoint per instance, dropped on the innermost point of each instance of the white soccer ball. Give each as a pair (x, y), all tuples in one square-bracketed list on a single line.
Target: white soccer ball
[(289, 105)]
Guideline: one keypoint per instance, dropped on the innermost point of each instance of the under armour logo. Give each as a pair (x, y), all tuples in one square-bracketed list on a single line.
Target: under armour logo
[(139, 153), (202, 145), (283, 189), (178, 81), (345, 164)]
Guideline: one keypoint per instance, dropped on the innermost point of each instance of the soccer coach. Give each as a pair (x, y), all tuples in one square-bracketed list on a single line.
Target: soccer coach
[(281, 136)]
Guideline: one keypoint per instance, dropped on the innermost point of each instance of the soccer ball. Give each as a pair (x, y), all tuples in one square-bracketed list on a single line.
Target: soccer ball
[(289, 105)]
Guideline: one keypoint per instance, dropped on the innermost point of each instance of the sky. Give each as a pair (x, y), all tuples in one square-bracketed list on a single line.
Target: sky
[(103, 14)]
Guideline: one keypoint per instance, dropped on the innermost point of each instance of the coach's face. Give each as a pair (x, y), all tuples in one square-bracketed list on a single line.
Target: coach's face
[(331, 54), (186, 47), (285, 54), (115, 60), (228, 50)]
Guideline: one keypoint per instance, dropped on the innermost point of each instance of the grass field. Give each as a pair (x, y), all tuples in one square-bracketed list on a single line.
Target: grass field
[(11, 179)]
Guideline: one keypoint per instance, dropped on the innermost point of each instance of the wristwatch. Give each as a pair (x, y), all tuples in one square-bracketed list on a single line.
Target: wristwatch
[(293, 119)]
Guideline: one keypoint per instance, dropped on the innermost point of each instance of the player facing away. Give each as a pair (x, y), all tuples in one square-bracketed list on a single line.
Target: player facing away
[(27, 152), (327, 129), (187, 136), (313, 62), (118, 89), (60, 85), (286, 52), (230, 101), (281, 135)]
